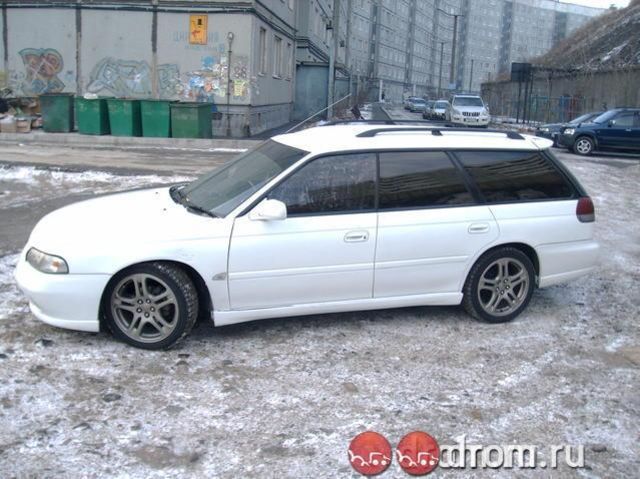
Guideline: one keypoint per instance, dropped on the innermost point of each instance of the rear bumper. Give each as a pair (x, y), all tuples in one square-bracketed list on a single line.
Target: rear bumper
[(561, 262), (70, 301)]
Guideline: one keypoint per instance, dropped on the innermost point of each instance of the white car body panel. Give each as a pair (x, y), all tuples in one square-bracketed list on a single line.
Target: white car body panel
[(305, 264)]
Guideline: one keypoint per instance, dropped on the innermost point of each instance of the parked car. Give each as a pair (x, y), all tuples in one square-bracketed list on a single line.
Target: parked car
[(427, 114), (467, 110), (417, 105), (552, 130), (407, 102), (439, 110), (617, 129), (328, 219)]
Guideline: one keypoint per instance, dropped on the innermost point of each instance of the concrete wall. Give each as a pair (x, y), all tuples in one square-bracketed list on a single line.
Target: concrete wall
[(41, 58)]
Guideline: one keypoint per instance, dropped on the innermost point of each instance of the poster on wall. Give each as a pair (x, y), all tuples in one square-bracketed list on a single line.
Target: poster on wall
[(198, 29)]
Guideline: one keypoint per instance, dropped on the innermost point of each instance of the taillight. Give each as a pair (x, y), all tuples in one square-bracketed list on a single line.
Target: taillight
[(585, 210)]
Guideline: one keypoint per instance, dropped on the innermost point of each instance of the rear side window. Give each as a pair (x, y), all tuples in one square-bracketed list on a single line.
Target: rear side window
[(420, 179), (504, 176), (331, 184)]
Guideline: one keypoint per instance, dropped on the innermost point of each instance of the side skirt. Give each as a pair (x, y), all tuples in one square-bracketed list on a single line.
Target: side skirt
[(223, 318)]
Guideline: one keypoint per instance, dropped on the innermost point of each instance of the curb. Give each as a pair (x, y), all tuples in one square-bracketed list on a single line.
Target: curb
[(94, 141)]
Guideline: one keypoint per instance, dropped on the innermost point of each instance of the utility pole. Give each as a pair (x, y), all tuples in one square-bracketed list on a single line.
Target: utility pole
[(333, 53), (471, 76), (453, 50), (440, 71), (453, 43)]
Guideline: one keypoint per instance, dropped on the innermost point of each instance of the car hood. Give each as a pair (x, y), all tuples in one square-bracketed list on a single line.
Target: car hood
[(553, 126), (96, 225)]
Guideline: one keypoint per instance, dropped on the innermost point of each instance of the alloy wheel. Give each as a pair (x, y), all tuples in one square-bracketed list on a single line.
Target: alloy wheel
[(144, 308), (503, 286)]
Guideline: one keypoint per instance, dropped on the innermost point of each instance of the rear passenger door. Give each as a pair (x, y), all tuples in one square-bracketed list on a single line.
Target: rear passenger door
[(618, 133), (429, 225)]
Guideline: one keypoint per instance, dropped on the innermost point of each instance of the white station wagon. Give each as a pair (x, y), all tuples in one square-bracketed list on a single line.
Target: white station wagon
[(335, 218)]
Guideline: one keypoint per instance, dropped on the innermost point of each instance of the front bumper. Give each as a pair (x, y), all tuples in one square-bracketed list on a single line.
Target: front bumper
[(566, 140), (70, 301), (470, 120)]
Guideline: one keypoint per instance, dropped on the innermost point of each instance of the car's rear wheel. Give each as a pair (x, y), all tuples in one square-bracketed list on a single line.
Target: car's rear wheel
[(499, 286), (151, 305), (583, 145)]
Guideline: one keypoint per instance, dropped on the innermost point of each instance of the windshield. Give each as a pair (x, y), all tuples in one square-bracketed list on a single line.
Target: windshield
[(583, 118), (605, 117), (224, 189), (441, 104), (467, 101), (421, 102)]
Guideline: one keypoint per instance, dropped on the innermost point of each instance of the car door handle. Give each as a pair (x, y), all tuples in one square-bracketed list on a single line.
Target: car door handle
[(478, 228), (356, 236)]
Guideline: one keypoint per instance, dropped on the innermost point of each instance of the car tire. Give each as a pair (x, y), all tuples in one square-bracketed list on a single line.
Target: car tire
[(583, 146), (499, 286), (151, 305)]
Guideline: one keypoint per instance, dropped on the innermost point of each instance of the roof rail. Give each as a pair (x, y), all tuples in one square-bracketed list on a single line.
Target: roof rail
[(375, 122), (436, 131)]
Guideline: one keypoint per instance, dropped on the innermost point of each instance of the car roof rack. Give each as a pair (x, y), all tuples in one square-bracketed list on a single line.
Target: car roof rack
[(375, 122), (435, 131)]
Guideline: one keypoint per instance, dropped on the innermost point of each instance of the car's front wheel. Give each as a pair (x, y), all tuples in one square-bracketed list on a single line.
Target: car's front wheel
[(151, 305), (499, 285), (583, 146)]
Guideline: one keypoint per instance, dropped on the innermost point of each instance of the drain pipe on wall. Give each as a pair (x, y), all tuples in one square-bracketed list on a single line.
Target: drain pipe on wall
[(230, 38)]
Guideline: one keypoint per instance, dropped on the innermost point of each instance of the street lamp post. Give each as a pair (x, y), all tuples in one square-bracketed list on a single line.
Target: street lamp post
[(440, 71)]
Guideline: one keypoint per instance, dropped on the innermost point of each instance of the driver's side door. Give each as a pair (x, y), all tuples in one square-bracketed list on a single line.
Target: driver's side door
[(323, 251)]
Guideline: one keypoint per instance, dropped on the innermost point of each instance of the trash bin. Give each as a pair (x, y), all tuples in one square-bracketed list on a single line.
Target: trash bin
[(156, 118), (57, 112), (92, 116), (191, 120), (124, 117)]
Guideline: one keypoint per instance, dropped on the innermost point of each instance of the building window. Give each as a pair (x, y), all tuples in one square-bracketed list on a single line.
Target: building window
[(289, 60), (277, 56), (263, 51)]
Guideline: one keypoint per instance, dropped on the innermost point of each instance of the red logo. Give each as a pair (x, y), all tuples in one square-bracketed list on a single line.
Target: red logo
[(418, 453), (370, 453)]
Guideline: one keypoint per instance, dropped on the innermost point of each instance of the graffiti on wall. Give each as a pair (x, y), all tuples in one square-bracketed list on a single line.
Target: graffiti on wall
[(132, 78), (122, 78), (42, 67)]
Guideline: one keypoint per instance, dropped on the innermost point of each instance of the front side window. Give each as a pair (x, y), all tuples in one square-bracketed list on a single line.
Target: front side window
[(505, 176), (420, 180), (624, 120), (223, 190), (331, 184)]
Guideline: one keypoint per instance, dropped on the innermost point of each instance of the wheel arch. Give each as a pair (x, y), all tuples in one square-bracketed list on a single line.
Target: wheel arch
[(528, 250), (589, 134), (205, 305)]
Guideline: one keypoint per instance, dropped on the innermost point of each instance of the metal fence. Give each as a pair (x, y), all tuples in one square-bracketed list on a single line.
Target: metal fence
[(540, 108)]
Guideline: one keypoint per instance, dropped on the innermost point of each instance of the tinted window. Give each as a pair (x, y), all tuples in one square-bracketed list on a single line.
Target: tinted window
[(510, 175), (624, 120), (330, 184), (420, 179)]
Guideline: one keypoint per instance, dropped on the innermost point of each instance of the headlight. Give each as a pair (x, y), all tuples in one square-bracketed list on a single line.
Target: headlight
[(46, 263), (546, 130), (569, 131)]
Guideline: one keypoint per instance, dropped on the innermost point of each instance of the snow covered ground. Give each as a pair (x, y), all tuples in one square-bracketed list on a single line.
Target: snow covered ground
[(283, 398)]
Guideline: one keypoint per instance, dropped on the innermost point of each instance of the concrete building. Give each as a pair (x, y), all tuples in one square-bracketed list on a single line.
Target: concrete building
[(495, 33)]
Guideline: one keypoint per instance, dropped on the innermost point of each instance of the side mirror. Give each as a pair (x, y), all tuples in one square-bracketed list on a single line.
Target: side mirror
[(612, 123), (269, 210)]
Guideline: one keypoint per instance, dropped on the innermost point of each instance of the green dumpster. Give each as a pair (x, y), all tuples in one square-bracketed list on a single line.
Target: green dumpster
[(156, 118), (191, 120), (57, 112), (92, 116), (124, 117)]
